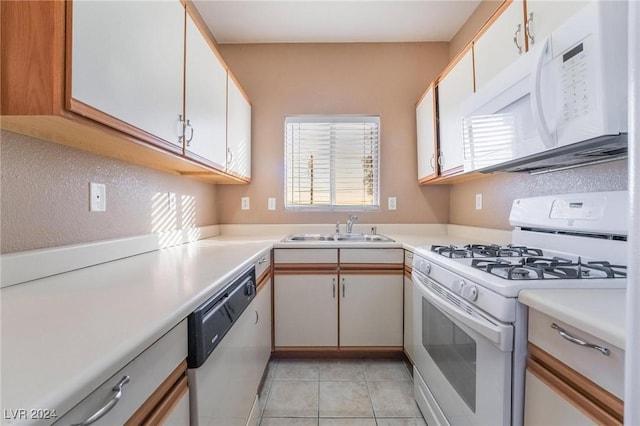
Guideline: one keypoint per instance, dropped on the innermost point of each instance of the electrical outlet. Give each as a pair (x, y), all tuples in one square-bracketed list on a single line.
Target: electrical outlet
[(478, 201), (244, 204), (97, 197), (392, 203), (271, 203), (171, 196)]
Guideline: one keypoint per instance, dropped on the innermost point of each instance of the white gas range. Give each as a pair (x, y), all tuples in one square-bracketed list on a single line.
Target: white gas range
[(470, 330)]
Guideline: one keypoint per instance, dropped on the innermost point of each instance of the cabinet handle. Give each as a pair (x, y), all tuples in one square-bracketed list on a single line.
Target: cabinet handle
[(441, 159), (257, 317), (190, 127), (515, 38), (229, 156), (580, 342), (334, 288), (180, 128), (343, 288), (118, 389), (527, 28), (432, 163), (261, 261)]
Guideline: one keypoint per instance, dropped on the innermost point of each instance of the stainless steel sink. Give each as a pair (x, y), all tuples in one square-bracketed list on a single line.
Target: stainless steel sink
[(376, 238)]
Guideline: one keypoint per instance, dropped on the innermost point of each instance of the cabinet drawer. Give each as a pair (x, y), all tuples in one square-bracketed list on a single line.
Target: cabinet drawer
[(146, 372), (372, 256), (306, 256), (606, 371), (263, 264)]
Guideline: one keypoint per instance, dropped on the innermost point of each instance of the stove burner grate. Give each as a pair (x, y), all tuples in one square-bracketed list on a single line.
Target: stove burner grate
[(528, 268)]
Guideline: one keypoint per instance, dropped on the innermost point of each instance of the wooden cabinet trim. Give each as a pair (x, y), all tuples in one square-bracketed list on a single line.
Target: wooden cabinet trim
[(431, 86), (32, 33), (451, 65), (265, 277), (371, 268), (158, 399), (235, 80), (193, 12), (604, 401), (109, 121), (306, 268), (166, 406), (493, 18)]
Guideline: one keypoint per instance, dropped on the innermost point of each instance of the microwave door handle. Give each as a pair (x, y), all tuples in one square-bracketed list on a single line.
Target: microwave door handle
[(536, 101)]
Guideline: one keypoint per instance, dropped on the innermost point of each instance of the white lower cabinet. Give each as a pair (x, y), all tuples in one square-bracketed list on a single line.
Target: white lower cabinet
[(146, 374), (306, 312), (569, 383), (371, 309), (547, 407)]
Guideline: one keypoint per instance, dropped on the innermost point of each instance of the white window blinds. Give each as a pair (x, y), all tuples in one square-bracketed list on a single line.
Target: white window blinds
[(332, 163)]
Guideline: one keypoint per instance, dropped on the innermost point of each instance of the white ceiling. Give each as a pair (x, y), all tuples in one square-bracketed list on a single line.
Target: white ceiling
[(334, 21)]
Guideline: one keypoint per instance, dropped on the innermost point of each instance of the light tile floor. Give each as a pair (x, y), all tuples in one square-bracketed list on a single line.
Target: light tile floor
[(339, 392)]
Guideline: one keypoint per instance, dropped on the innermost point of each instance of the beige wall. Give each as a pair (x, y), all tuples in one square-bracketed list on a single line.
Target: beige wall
[(45, 197), (377, 79), (473, 24), (500, 190)]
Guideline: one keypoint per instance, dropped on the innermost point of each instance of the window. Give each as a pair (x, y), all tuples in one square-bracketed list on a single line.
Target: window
[(332, 163)]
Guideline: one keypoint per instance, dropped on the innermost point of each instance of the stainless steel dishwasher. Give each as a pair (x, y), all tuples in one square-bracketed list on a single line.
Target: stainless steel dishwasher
[(220, 356)]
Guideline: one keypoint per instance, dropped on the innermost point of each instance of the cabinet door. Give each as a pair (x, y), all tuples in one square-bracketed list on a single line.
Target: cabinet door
[(408, 316), (306, 310), (205, 99), (544, 16), (501, 44), (453, 89), (544, 406), (127, 64), (263, 329), (426, 135), (238, 131), (371, 310)]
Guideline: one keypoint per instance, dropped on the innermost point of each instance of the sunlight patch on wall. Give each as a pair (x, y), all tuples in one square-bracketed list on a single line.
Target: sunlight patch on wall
[(174, 224)]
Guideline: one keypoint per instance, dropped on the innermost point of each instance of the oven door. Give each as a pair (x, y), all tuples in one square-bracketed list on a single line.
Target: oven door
[(463, 359)]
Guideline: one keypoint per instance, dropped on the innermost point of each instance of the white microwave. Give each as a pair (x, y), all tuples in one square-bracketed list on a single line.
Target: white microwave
[(561, 104)]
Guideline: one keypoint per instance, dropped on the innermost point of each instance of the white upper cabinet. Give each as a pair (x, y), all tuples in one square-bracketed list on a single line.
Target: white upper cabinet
[(544, 16), (453, 89), (238, 131), (426, 129), (501, 44), (205, 99), (127, 64)]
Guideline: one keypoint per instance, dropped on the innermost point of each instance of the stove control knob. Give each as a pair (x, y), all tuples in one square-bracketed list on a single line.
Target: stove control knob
[(470, 292), (427, 268), (458, 286)]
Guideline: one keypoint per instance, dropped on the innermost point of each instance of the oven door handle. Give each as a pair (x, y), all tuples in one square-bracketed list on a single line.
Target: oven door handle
[(500, 335)]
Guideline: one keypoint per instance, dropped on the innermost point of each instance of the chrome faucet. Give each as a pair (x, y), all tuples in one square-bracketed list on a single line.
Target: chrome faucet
[(352, 219)]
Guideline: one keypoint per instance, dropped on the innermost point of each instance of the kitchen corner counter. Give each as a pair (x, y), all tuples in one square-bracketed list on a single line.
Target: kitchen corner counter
[(64, 335), (600, 313)]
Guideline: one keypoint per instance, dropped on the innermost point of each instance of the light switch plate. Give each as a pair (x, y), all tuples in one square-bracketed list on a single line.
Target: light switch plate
[(271, 203), (478, 201), (97, 197), (392, 203), (244, 204), (171, 196)]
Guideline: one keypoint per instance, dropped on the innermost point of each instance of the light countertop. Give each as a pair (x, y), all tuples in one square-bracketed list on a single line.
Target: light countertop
[(600, 313), (64, 335)]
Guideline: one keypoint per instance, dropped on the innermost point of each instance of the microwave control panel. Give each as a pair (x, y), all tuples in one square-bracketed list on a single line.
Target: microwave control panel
[(575, 93)]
